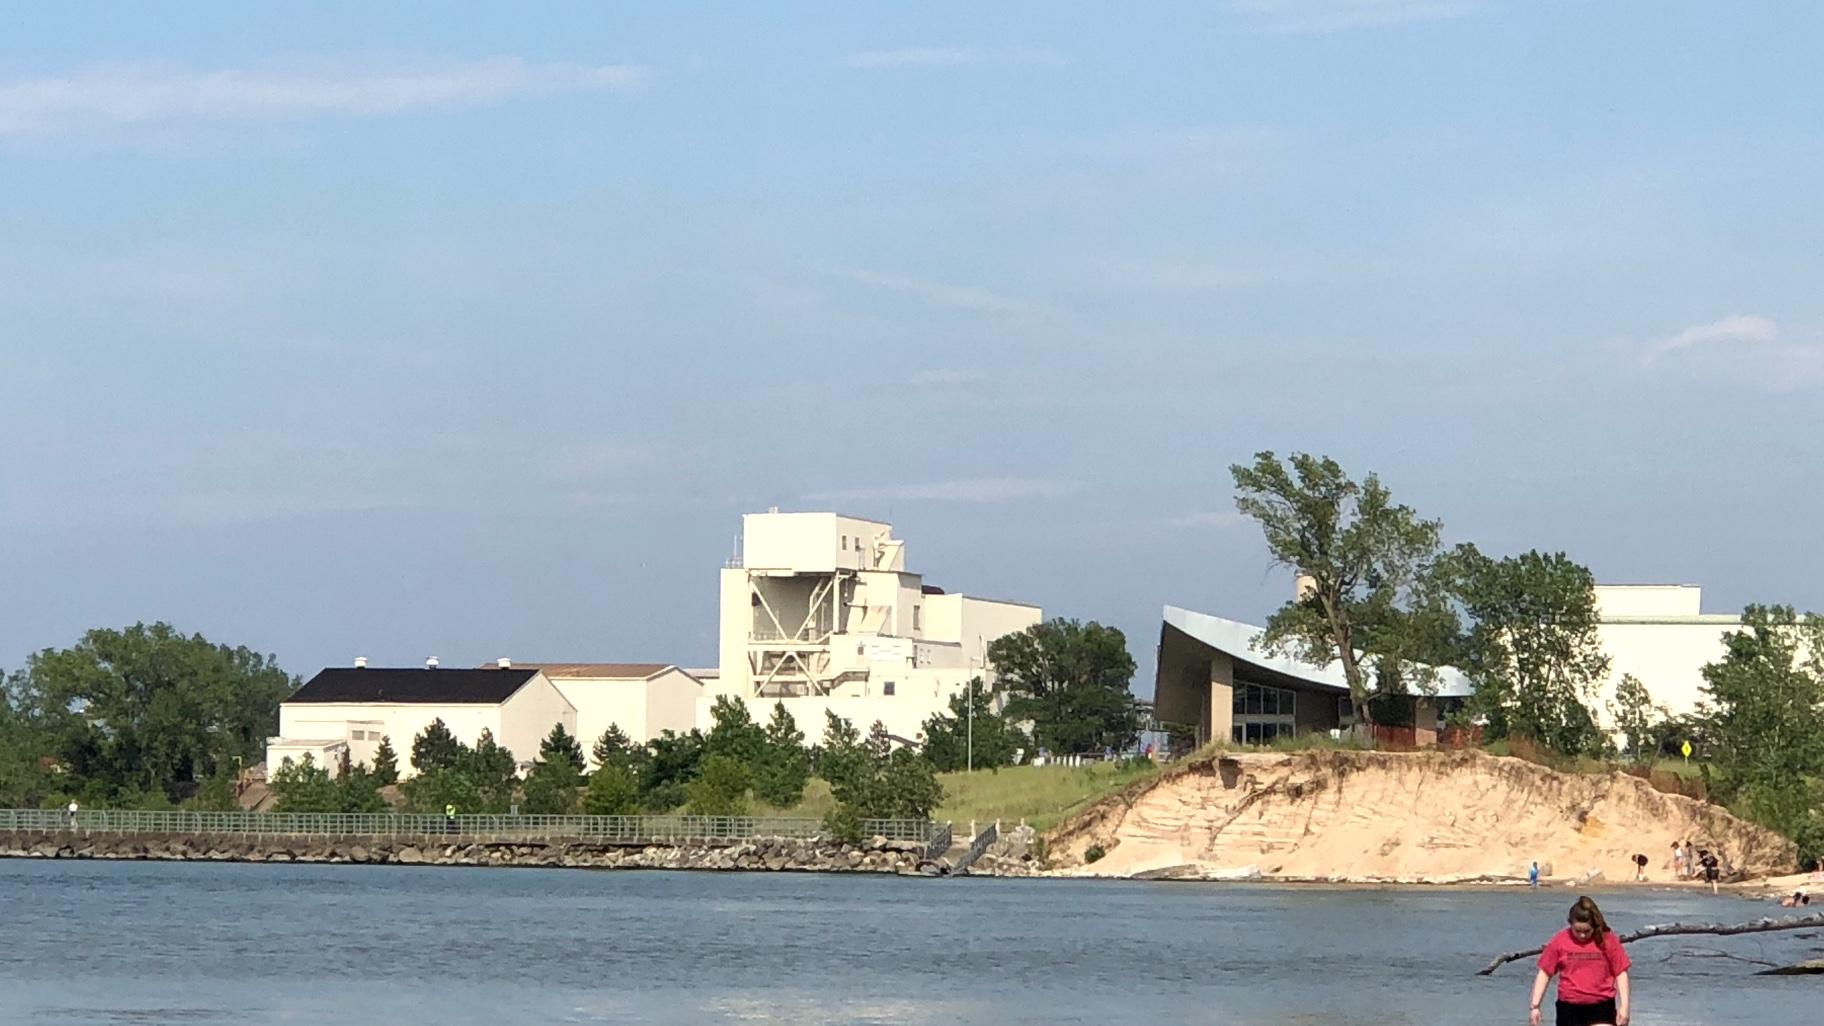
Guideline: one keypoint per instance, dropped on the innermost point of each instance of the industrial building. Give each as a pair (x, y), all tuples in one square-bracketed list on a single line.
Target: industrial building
[(818, 611)]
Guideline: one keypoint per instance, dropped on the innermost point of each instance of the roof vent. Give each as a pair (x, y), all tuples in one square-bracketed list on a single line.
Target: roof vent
[(504, 663), (360, 662), (431, 663)]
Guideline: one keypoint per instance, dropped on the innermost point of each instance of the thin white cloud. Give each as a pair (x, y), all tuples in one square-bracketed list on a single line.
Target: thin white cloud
[(1747, 349), (1732, 330), (101, 99), (949, 57), (974, 489), (941, 294), (1320, 16), (938, 377)]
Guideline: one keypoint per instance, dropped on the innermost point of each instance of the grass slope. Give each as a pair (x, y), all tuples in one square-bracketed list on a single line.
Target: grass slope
[(1041, 795)]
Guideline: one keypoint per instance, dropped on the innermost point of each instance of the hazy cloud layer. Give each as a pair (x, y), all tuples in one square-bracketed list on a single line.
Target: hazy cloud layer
[(99, 99)]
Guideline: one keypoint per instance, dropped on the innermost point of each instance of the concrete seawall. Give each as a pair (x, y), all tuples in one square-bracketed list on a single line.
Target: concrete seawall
[(758, 855)]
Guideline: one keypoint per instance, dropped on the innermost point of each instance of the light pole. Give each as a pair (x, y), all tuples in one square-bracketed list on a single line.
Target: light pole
[(969, 746)]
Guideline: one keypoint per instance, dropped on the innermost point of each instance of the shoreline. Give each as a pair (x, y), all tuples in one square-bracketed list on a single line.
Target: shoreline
[(757, 855)]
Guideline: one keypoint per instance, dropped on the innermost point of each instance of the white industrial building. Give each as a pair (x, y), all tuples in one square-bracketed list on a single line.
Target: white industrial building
[(643, 699), (349, 709), (1659, 634), (818, 612)]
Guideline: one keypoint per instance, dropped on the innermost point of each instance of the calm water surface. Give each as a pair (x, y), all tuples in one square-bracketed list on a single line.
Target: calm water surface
[(100, 942)]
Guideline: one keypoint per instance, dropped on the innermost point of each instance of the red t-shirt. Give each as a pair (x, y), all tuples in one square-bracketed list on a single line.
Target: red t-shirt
[(1586, 972)]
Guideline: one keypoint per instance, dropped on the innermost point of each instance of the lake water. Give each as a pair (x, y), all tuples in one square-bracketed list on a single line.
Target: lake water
[(144, 943)]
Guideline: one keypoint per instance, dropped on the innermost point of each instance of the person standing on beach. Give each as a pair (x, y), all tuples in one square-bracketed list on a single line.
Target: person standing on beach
[(1711, 866), (1592, 972), (1678, 861), (1532, 876)]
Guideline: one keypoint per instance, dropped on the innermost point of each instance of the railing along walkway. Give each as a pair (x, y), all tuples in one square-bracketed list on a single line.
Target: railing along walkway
[(607, 829)]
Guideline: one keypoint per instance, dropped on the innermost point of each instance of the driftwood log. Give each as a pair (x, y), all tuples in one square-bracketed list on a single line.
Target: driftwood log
[(1682, 929)]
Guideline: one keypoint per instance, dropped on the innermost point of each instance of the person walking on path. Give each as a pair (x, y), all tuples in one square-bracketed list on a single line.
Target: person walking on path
[(449, 819), (72, 812), (1592, 971)]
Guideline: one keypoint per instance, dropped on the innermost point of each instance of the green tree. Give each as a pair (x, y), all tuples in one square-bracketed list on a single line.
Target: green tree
[(1767, 740), (735, 734), (785, 765), (613, 791), (1632, 712), (551, 786), (304, 786), (719, 788), (358, 790), (386, 763), (1070, 681), (879, 782), (950, 739), (217, 794), (671, 763), (614, 748), (24, 781), (429, 793), (1371, 604), (148, 709), (435, 748), (559, 742), (492, 770), (1533, 652), (840, 748)]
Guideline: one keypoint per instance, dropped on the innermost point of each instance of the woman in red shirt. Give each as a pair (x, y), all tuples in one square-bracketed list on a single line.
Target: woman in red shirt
[(1592, 971)]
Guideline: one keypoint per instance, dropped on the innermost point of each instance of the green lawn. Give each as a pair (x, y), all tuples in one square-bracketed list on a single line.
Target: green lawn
[(1041, 795)]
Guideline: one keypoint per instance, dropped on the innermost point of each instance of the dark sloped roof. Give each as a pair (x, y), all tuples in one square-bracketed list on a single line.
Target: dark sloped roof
[(437, 687)]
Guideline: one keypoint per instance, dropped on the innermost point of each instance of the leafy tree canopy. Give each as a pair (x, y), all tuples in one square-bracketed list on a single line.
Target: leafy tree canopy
[(1070, 681), (148, 709), (951, 738), (1532, 653), (1373, 603)]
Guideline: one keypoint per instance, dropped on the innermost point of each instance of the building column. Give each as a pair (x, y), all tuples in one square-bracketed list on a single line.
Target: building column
[(1222, 697), (1425, 722)]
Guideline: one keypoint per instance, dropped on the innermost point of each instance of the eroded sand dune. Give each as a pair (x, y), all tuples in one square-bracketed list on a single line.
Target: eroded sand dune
[(1385, 816)]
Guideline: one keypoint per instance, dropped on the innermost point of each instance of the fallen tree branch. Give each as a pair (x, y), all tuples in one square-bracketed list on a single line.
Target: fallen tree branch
[(1680, 929)]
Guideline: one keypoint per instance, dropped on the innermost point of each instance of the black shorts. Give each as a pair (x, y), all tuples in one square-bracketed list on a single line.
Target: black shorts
[(1586, 1015)]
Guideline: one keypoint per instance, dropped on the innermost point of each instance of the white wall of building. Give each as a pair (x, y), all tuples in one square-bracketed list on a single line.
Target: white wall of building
[(529, 714), (641, 706), (324, 754), (518, 724)]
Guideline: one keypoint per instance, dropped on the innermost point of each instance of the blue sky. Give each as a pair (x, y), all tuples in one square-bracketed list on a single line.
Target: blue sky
[(402, 330)]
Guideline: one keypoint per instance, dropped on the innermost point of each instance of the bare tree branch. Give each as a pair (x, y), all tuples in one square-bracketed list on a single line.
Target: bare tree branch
[(1681, 929)]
